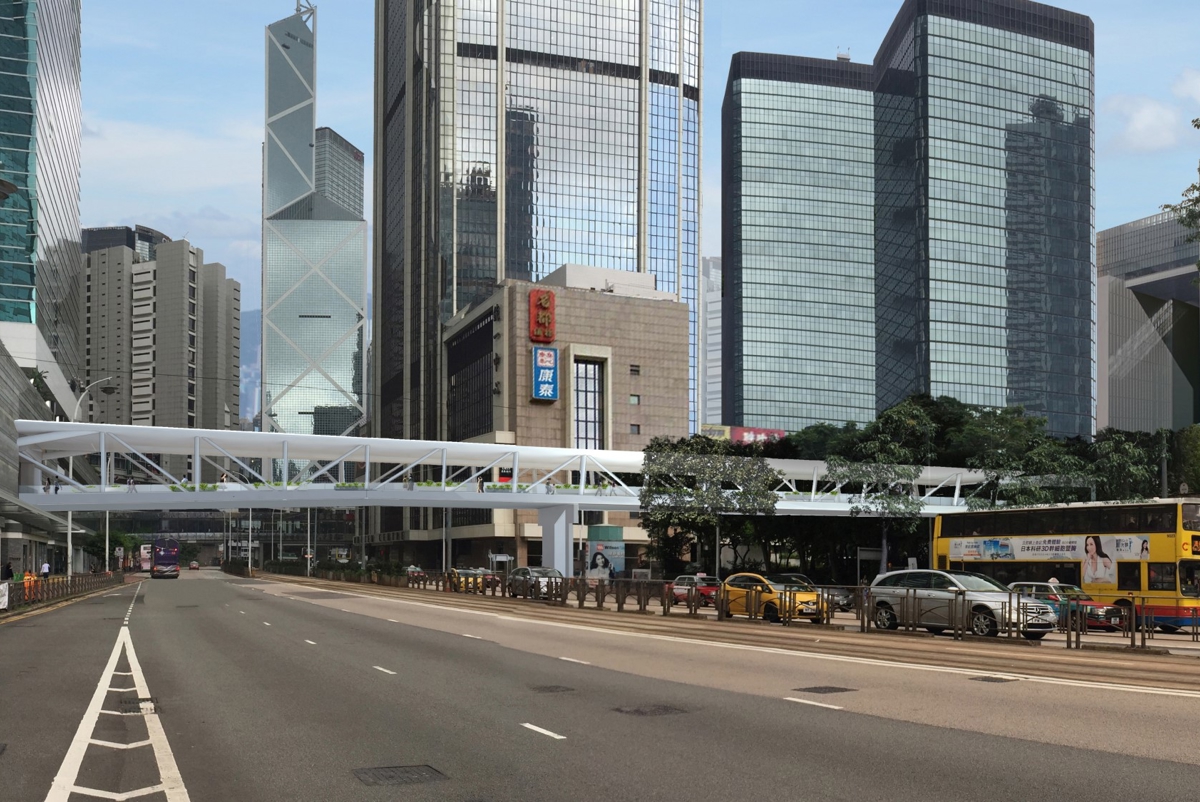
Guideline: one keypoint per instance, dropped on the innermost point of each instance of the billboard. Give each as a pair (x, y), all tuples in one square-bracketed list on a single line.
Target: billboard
[(605, 559), (545, 374), (1098, 553), (741, 434)]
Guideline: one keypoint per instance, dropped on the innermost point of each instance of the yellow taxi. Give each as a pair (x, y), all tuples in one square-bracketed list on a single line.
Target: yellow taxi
[(464, 580), (772, 594)]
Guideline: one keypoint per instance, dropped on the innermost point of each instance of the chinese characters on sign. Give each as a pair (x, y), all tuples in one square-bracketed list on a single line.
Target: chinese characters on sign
[(541, 316), (545, 374)]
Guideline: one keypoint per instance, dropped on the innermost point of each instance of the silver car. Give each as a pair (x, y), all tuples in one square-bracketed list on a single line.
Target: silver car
[(927, 599)]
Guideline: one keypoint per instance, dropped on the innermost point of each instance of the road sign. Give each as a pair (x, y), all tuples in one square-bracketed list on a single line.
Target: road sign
[(119, 551)]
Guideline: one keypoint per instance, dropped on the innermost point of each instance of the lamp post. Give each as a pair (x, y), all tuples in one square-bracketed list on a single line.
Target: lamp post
[(71, 475)]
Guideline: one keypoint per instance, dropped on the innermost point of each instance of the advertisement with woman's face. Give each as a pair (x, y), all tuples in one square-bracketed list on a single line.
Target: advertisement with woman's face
[(1099, 560)]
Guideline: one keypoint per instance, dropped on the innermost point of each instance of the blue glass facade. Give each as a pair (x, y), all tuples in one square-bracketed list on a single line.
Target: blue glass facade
[(516, 136), (40, 125), (984, 206)]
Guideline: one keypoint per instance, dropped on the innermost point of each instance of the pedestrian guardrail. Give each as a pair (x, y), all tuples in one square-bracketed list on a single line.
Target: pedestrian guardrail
[(34, 590)]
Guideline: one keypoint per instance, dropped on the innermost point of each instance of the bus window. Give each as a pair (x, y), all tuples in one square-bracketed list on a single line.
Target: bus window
[(1160, 576), (1191, 517), (1078, 522), (1129, 576), (1189, 577), (1158, 519)]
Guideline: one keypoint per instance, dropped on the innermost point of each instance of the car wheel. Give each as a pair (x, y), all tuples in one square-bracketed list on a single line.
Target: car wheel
[(984, 623), (935, 630), (771, 613), (885, 617), (1033, 635)]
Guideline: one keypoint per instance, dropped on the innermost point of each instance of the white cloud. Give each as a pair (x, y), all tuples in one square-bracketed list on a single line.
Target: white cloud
[(1146, 124), (1187, 85)]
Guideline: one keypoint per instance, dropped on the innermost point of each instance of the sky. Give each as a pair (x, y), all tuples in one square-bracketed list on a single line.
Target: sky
[(173, 104)]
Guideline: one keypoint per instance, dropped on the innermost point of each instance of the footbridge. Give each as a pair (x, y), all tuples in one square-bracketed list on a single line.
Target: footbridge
[(273, 470)]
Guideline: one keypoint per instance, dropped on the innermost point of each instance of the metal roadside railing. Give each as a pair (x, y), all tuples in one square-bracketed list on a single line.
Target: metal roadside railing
[(33, 591)]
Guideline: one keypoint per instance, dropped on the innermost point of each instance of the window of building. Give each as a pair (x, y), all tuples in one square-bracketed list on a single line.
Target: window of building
[(192, 340), (191, 324), (191, 421), (192, 276), (635, 428), (589, 404), (191, 385), (191, 406), (191, 292), (191, 307), (635, 370), (635, 399)]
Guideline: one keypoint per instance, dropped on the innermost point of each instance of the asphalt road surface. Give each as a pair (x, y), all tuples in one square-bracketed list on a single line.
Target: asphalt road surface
[(226, 689)]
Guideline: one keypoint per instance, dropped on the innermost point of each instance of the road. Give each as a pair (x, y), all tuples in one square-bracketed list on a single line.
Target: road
[(264, 691)]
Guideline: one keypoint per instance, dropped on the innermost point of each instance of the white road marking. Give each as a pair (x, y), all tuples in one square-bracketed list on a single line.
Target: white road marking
[(170, 782), (243, 612), (573, 660), (310, 642), (123, 690), (384, 670), (345, 611), (553, 735), (810, 702), (265, 624), (393, 621), (836, 658), (472, 637), (122, 673)]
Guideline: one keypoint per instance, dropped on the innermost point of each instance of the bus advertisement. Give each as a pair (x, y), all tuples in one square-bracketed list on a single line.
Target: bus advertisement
[(146, 556), (1140, 555), (166, 559)]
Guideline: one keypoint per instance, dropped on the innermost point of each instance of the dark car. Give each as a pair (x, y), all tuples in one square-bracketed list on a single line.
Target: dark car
[(839, 599), (193, 566), (534, 581)]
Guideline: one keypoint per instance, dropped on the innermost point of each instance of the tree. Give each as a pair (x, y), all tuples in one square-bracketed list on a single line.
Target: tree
[(689, 484), (1187, 458), (1124, 465)]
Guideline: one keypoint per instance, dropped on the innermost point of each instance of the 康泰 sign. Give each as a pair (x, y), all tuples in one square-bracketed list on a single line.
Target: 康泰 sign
[(541, 316), (545, 374)]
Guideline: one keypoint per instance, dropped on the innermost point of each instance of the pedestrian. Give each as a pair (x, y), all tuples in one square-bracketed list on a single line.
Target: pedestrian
[(46, 485), (550, 488), (224, 478), (56, 486), (6, 573), (45, 570), (479, 484), (131, 487), (410, 483)]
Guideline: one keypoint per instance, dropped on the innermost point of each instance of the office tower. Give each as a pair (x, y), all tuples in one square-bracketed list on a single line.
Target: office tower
[(142, 240), (1148, 318), (220, 351), (108, 332), (514, 138), (314, 248), (710, 328), (983, 130), (798, 199), (40, 264)]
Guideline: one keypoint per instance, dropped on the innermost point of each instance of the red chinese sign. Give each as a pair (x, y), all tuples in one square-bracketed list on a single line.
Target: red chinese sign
[(541, 316)]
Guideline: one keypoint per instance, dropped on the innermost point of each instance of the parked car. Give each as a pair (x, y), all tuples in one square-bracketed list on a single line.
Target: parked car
[(769, 595), (414, 573), (464, 580), (839, 599), (706, 586), (193, 566), (930, 596), (1064, 597), (490, 578), (535, 581)]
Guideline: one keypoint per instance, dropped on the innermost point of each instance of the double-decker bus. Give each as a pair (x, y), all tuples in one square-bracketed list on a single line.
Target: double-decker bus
[(145, 557), (1142, 555), (166, 558)]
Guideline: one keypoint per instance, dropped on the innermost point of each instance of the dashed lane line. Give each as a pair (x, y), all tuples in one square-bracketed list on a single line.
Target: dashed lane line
[(266, 624), (553, 735), (310, 642), (573, 660), (472, 637), (384, 670), (811, 702)]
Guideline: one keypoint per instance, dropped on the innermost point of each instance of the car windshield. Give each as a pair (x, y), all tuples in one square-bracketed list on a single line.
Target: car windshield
[(550, 572), (789, 581), (970, 581), (1071, 592), (708, 582)]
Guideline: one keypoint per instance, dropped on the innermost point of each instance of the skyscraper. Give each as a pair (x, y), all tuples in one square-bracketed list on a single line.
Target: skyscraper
[(710, 326), (40, 263), (314, 247), (513, 138), (983, 137)]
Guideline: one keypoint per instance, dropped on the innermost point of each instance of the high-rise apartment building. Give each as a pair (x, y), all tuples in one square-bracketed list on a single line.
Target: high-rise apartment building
[(710, 328), (314, 267), (514, 138), (107, 345), (40, 265), (799, 207), (1148, 318), (980, 115)]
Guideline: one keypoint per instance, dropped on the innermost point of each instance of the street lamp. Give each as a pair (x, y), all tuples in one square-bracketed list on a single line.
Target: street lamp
[(71, 475)]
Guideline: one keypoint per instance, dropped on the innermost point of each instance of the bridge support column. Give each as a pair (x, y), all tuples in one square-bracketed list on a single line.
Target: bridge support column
[(556, 523)]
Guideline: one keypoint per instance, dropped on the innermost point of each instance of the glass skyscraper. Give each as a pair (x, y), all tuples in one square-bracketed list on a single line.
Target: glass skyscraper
[(983, 210), (516, 136), (799, 245), (314, 264), (40, 121)]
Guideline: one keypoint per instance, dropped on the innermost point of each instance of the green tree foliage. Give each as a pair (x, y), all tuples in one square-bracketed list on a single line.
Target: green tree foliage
[(1124, 465), (690, 485), (1187, 459)]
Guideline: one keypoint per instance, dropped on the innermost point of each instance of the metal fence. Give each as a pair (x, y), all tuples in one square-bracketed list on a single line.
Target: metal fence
[(35, 590)]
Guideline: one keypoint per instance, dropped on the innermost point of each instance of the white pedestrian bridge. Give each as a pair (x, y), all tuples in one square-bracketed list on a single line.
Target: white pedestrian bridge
[(305, 470)]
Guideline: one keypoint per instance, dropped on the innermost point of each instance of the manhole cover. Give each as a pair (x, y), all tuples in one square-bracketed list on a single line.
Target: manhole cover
[(824, 689), (550, 689), (141, 705), (399, 775), (649, 710), (993, 679)]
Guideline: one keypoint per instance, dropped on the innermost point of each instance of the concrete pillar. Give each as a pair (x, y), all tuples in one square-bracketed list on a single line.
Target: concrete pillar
[(556, 523)]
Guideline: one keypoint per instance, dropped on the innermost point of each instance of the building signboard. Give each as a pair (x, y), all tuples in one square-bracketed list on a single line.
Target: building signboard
[(741, 434), (545, 374), (541, 316)]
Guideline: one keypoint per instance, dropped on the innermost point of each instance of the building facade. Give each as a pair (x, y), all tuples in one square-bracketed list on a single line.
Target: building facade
[(1148, 320), (314, 268), (798, 197), (40, 265), (710, 327), (513, 138), (983, 132), (142, 240), (107, 345)]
